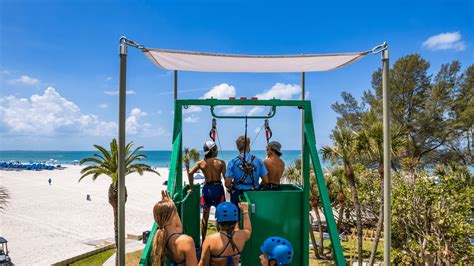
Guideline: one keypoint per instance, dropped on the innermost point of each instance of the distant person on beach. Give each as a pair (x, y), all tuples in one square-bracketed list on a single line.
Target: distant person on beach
[(212, 191), (275, 166), (49, 181), (243, 172), (169, 239), (224, 247)]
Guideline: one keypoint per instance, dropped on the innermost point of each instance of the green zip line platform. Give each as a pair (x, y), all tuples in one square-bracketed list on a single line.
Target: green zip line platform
[(290, 220)]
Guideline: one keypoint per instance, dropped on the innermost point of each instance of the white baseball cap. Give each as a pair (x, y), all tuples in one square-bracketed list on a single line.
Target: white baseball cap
[(208, 146)]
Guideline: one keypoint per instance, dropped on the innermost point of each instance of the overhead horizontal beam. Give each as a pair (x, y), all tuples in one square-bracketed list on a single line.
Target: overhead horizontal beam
[(221, 102)]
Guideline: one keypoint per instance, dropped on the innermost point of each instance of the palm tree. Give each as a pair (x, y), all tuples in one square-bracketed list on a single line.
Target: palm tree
[(192, 154), (4, 197), (336, 188), (106, 163), (370, 148), (344, 151), (293, 174)]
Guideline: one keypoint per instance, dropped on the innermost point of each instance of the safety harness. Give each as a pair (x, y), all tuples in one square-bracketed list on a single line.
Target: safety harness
[(247, 168)]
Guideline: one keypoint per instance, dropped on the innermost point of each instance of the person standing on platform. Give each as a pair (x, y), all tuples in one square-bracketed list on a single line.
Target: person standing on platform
[(244, 171)]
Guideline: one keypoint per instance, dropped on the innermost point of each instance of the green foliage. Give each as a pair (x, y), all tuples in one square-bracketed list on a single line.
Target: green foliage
[(432, 220), (95, 260), (435, 114), (189, 155), (105, 162), (432, 131)]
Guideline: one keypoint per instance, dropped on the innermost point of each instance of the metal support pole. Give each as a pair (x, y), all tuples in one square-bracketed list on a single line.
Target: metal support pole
[(303, 92), (175, 84), (387, 180), (121, 153)]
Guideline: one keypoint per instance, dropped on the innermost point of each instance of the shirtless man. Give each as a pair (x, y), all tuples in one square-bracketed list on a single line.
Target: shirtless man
[(212, 191), (275, 166)]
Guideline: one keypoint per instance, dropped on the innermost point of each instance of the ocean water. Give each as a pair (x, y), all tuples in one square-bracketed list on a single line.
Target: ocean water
[(154, 158)]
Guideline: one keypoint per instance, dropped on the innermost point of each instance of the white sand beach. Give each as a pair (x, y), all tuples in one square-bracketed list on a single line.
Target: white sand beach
[(45, 224)]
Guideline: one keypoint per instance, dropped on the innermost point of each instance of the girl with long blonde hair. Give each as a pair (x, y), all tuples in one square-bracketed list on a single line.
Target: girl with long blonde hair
[(169, 239)]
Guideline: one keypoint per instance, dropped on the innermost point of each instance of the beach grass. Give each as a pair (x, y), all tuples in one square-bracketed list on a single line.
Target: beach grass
[(97, 259)]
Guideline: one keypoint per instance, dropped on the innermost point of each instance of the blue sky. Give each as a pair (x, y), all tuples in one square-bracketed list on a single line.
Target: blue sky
[(59, 62)]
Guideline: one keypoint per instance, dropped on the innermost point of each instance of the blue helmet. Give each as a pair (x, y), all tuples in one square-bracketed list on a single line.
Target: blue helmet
[(278, 249), (227, 212)]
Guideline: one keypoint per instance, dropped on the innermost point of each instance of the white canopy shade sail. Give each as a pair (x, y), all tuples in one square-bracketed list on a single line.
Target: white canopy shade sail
[(208, 62)]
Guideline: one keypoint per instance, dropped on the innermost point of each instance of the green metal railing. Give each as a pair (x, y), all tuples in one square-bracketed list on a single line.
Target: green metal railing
[(309, 153)]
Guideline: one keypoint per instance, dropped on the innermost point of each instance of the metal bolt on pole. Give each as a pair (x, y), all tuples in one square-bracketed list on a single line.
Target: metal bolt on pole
[(121, 152), (387, 180)]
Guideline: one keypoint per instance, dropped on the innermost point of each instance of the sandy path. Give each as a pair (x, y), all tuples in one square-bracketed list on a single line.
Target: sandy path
[(45, 224)]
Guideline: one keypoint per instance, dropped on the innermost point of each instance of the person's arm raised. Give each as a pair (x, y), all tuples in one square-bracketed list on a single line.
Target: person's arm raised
[(244, 207)]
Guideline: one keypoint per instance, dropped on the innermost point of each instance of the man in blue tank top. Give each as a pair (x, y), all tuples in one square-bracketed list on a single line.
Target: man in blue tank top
[(244, 171)]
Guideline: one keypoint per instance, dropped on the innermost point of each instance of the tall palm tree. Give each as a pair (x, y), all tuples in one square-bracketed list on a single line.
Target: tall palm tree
[(189, 155), (370, 148), (105, 162), (344, 151), (4, 197)]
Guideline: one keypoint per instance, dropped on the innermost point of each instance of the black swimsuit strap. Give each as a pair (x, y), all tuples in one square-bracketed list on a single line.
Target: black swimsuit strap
[(169, 237), (225, 247)]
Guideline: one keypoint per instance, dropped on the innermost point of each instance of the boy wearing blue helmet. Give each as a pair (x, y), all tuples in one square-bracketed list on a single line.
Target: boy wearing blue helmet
[(276, 251), (223, 248)]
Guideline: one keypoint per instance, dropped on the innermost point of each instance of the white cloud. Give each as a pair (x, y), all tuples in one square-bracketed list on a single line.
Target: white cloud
[(192, 109), (191, 119), (112, 93), (133, 121), (50, 114), (25, 80), (445, 41), (103, 105), (222, 91), (280, 91), (108, 78), (4, 72), (257, 129), (277, 91), (255, 110), (232, 110)]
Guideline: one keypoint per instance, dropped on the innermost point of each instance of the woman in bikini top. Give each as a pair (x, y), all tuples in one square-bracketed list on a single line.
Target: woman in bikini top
[(223, 248), (169, 239)]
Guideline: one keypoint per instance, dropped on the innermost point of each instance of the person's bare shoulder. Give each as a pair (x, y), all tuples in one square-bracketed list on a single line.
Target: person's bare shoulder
[(267, 161), (184, 239), (184, 243)]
